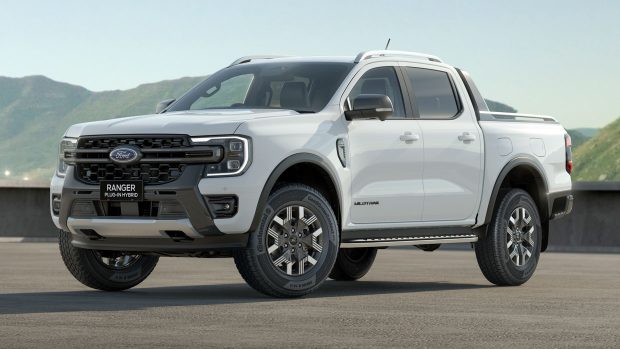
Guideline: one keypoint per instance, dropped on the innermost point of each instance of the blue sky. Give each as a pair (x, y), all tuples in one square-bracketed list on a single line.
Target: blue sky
[(560, 58)]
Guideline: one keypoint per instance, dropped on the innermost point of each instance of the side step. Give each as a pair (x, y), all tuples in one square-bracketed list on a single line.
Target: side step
[(408, 241)]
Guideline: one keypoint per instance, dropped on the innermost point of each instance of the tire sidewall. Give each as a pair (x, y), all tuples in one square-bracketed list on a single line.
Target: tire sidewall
[(86, 267), (308, 198), (355, 268), (126, 277)]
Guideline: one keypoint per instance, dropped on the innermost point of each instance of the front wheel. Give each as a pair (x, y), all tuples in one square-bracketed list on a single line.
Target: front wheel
[(105, 270), (508, 254), (295, 245)]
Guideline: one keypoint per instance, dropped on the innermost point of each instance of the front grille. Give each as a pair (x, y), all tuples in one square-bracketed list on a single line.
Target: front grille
[(164, 158), (157, 173), (148, 142), (166, 209)]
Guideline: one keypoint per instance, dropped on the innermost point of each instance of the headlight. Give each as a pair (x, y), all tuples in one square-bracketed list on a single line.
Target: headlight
[(237, 155), (66, 154)]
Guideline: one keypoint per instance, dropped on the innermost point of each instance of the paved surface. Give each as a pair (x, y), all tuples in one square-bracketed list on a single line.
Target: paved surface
[(410, 299)]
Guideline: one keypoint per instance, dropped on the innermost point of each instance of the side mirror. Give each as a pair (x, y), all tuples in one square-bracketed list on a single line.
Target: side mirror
[(369, 106), (161, 106)]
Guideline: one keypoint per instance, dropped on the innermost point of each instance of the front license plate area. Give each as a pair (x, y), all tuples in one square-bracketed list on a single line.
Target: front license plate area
[(121, 190)]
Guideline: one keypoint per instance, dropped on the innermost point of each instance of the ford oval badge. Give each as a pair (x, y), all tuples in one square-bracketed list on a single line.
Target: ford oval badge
[(125, 155)]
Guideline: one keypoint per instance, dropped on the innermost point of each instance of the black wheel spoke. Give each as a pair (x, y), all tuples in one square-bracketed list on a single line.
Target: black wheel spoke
[(519, 236), (294, 240)]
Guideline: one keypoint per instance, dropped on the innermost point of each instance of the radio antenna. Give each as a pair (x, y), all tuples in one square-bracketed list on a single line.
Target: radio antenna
[(388, 43)]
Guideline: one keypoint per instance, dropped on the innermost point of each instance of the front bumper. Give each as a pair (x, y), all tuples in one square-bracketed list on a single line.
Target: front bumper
[(194, 230)]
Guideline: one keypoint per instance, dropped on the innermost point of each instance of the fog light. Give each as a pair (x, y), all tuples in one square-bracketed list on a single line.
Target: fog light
[(234, 165), (222, 206)]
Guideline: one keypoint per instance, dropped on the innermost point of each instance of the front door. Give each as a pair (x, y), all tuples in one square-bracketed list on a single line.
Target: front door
[(386, 157)]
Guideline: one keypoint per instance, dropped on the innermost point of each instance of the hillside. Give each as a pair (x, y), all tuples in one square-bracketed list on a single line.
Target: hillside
[(35, 111), (599, 158), (577, 138)]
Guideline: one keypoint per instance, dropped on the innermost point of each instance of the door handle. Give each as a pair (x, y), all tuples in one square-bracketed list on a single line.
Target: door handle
[(409, 137), (467, 137)]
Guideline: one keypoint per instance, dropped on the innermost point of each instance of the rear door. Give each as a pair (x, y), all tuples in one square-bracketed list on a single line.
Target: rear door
[(453, 163), (386, 156)]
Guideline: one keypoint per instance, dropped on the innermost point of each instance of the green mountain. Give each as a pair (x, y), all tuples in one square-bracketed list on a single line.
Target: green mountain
[(35, 111), (577, 138), (589, 132), (598, 159)]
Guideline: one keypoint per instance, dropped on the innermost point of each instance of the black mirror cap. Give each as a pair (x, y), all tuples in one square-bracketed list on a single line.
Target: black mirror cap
[(370, 106), (161, 106)]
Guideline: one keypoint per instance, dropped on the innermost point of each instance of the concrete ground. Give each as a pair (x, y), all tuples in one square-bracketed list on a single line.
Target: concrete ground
[(409, 299)]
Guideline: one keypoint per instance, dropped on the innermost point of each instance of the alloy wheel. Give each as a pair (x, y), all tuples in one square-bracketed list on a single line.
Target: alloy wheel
[(294, 240), (520, 236)]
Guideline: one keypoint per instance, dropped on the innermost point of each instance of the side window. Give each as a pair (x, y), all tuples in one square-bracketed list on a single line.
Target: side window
[(434, 93), (229, 93), (382, 81)]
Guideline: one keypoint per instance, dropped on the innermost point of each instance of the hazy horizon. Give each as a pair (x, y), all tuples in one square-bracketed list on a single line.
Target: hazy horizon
[(555, 57)]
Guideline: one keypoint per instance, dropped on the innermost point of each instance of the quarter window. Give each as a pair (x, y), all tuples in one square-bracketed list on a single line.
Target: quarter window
[(434, 93)]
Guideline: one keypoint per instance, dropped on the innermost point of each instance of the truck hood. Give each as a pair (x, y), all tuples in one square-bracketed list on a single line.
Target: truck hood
[(193, 123)]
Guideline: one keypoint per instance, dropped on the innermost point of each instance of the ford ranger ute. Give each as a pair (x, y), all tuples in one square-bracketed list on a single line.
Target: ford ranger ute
[(301, 168)]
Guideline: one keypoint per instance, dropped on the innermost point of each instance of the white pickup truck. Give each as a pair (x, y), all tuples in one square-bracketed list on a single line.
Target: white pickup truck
[(301, 168)]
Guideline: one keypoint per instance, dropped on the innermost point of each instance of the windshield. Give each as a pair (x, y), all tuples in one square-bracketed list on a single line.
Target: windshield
[(300, 86)]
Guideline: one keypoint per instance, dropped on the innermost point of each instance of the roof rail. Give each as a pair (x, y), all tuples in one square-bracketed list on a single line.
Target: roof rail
[(247, 59), (384, 53)]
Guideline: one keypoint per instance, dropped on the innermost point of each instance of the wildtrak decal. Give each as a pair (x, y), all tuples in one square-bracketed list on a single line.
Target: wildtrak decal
[(366, 203)]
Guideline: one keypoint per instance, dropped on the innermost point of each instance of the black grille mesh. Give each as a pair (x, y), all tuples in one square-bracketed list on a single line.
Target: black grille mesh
[(151, 172), (141, 142)]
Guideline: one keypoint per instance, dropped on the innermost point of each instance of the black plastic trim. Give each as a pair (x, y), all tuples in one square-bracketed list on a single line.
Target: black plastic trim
[(163, 245), (280, 169), (354, 234), (410, 112), (184, 190), (526, 160), (567, 197)]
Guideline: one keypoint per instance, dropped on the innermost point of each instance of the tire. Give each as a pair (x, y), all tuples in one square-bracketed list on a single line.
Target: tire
[(270, 265), (353, 263), (105, 270), (509, 253)]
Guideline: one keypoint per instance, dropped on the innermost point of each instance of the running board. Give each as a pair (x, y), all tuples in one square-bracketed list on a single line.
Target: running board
[(408, 241)]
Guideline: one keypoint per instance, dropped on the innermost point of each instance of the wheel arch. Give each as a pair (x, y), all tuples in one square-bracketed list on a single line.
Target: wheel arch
[(317, 171), (523, 172)]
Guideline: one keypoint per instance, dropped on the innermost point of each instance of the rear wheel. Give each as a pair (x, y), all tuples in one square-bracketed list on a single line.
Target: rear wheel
[(294, 247), (353, 263), (508, 254), (105, 270)]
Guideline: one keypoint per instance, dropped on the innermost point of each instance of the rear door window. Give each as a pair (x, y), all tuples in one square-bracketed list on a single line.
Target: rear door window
[(434, 93)]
